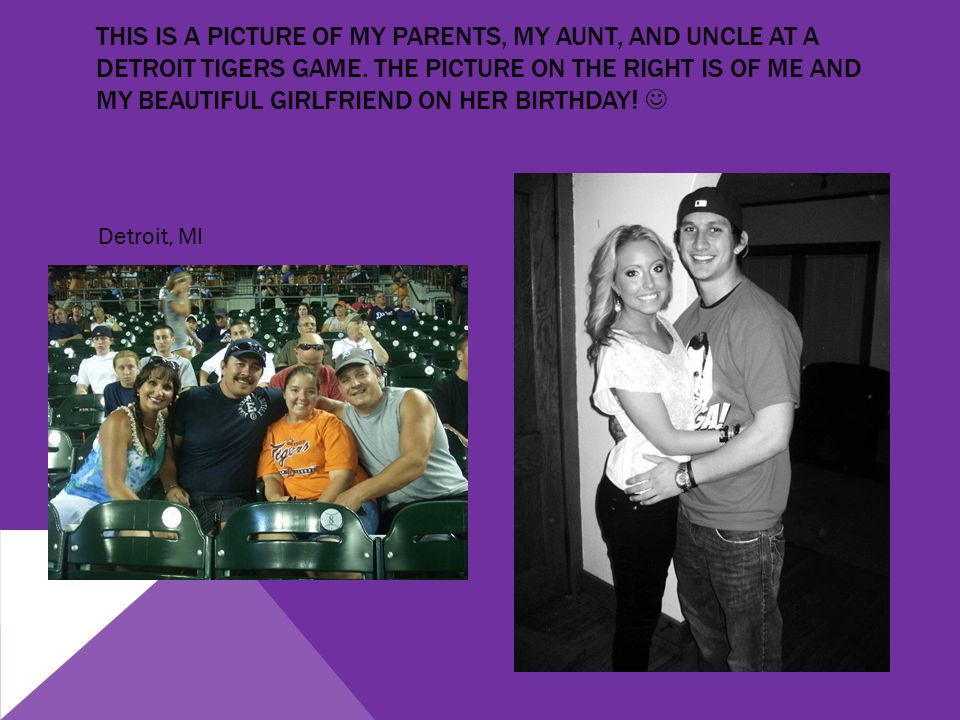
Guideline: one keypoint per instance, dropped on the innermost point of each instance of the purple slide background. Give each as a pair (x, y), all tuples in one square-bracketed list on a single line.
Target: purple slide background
[(419, 187)]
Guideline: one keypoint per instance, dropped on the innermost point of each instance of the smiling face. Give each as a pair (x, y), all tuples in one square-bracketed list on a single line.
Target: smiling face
[(360, 385), (300, 394), (156, 392), (239, 376), (656, 99), (707, 248), (642, 278)]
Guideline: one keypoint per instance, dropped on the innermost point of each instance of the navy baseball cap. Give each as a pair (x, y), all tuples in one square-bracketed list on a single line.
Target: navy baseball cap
[(220, 312), (239, 348), (101, 331), (709, 199)]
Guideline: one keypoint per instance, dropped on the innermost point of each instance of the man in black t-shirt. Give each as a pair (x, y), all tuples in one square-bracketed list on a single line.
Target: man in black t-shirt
[(218, 431), (450, 395)]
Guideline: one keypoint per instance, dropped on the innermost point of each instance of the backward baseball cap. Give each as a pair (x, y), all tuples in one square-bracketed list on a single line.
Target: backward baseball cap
[(709, 199)]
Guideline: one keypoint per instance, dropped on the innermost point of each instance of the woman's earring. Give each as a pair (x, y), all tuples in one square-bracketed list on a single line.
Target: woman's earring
[(616, 305)]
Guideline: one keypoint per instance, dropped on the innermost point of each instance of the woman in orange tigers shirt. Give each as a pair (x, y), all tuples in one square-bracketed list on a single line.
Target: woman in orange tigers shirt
[(309, 454)]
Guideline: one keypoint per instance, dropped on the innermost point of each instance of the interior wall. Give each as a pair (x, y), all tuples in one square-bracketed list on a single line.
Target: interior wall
[(600, 203), (858, 219)]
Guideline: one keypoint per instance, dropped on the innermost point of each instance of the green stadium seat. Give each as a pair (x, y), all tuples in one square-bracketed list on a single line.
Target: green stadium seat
[(55, 548), (427, 539), (420, 376), (343, 547), (90, 555)]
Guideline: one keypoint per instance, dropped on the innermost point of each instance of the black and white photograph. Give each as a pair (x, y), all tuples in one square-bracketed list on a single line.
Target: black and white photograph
[(702, 422)]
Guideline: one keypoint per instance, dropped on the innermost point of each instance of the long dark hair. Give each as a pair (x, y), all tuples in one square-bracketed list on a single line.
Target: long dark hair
[(165, 371)]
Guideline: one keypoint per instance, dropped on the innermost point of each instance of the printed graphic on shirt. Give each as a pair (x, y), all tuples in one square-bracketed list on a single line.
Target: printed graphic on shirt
[(281, 452), (708, 416), (252, 407)]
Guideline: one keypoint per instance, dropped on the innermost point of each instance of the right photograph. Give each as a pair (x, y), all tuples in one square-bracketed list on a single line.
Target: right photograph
[(701, 419)]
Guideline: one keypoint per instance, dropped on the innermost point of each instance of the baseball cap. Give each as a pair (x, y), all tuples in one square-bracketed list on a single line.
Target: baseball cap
[(354, 357), (192, 317), (101, 331), (709, 199), (238, 348), (220, 312)]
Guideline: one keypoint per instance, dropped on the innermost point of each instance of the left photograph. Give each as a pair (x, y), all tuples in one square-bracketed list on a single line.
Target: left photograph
[(257, 422)]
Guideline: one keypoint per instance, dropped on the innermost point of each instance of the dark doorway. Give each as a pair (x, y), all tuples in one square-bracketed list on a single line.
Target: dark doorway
[(546, 502)]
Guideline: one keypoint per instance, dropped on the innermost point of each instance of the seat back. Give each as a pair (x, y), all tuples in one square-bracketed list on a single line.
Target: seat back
[(421, 377), (427, 539), (79, 412), (59, 452), (343, 546), (55, 549), (122, 556)]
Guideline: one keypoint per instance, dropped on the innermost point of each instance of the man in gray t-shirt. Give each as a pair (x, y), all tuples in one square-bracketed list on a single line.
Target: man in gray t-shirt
[(400, 440), (744, 349)]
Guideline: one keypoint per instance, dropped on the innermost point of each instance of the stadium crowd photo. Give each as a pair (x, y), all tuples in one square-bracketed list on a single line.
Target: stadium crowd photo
[(245, 422)]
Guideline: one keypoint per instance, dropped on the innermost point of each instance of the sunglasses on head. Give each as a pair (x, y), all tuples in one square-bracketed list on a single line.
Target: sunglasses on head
[(157, 360), (310, 346)]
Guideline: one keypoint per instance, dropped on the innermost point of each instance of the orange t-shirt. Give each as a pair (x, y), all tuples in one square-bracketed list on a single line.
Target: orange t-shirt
[(305, 453)]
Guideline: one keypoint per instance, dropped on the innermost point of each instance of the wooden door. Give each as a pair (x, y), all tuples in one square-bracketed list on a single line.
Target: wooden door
[(540, 521)]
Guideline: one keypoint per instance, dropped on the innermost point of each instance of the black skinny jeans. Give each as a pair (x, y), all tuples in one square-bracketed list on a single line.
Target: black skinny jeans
[(640, 543)]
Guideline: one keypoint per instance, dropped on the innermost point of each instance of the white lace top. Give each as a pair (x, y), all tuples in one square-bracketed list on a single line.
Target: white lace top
[(627, 364)]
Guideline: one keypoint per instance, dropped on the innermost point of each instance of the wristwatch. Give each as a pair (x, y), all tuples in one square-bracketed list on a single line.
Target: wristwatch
[(683, 478)]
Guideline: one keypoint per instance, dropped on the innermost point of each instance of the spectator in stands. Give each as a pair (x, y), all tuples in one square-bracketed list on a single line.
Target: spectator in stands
[(458, 294), (175, 307), (359, 336), (100, 317), (163, 344), (362, 305), (310, 351), (131, 447), (51, 308), (97, 372), (219, 332), (268, 293), (302, 309), (405, 314), (239, 330), (126, 366), (218, 433), (61, 330), (79, 318), (399, 438), (338, 321), (306, 324), (449, 395), (379, 312), (401, 287), (309, 454)]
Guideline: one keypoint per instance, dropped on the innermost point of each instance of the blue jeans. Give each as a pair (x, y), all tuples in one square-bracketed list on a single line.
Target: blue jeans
[(728, 581)]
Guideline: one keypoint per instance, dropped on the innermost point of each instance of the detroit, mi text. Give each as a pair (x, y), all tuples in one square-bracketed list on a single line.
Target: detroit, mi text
[(157, 236)]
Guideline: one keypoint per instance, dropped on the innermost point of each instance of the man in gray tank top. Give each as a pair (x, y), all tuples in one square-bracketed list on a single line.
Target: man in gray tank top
[(399, 438)]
